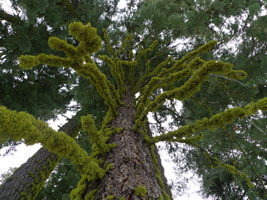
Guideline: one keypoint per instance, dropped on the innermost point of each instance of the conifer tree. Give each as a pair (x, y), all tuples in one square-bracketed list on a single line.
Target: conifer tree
[(123, 162), (185, 19)]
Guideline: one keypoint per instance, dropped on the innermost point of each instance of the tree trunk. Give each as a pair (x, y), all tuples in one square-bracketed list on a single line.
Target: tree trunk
[(132, 161), (29, 178)]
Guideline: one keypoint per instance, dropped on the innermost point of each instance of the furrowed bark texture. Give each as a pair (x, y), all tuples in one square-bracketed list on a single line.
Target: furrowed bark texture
[(132, 162), (36, 170)]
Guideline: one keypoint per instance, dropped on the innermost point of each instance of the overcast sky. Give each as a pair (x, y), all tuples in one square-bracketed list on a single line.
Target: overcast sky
[(15, 159)]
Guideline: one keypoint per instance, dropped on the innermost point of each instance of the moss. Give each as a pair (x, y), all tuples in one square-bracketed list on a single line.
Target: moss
[(110, 197), (143, 53), (27, 62), (124, 44), (24, 196), (217, 120), (147, 74), (140, 191), (62, 45), (158, 174), (38, 182), (190, 67), (18, 125), (87, 36), (78, 59), (90, 195), (117, 73), (110, 49), (190, 55), (190, 87), (96, 138)]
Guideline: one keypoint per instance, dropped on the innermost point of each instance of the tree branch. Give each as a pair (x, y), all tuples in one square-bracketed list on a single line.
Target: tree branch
[(37, 169), (218, 120)]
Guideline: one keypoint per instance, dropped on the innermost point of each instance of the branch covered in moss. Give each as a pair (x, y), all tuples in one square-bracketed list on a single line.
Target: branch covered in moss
[(21, 125), (151, 74), (116, 71), (190, 55), (158, 82), (79, 59), (40, 166), (110, 49), (98, 139), (189, 88), (143, 52), (217, 120)]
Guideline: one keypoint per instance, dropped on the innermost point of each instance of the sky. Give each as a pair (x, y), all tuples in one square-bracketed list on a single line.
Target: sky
[(23, 152)]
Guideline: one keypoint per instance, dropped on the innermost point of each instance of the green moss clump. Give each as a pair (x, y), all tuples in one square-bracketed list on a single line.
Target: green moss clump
[(140, 191), (28, 62), (90, 42), (90, 195), (110, 197)]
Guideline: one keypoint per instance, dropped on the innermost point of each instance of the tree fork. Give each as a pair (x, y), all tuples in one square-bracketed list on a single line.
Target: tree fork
[(36, 170)]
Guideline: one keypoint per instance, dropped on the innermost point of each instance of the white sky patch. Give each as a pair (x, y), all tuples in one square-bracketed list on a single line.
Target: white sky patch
[(122, 4), (17, 158)]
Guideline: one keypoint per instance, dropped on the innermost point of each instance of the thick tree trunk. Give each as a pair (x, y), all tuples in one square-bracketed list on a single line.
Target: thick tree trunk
[(132, 161), (29, 178)]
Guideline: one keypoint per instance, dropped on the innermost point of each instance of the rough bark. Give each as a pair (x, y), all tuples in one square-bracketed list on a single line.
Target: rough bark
[(36, 170), (132, 161)]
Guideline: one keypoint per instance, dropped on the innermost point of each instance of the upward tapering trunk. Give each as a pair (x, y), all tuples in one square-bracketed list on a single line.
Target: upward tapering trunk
[(132, 161)]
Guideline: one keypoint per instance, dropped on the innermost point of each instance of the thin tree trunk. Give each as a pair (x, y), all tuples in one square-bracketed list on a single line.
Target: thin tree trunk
[(29, 178), (132, 161)]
